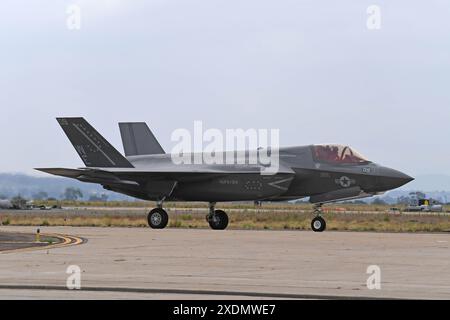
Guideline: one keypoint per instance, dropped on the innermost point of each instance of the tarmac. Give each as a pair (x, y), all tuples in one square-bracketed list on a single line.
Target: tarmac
[(142, 263)]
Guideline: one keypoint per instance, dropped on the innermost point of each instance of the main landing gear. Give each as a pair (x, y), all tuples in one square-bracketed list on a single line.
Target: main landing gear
[(318, 224), (217, 219), (158, 217)]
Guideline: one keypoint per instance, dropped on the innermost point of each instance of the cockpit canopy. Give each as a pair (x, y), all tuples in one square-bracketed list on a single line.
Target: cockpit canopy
[(337, 154)]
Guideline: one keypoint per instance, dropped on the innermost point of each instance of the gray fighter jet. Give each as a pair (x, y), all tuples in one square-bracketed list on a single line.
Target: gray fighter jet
[(325, 173)]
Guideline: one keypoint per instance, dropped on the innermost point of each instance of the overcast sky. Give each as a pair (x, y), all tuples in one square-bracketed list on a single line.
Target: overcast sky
[(310, 68)]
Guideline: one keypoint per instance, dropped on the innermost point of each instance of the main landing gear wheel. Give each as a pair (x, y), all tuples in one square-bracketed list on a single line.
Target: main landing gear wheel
[(158, 218), (219, 220), (318, 224)]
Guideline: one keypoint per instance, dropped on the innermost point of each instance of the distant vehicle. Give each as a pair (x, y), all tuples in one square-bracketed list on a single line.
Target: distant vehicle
[(424, 205), (6, 204), (30, 205), (394, 210), (325, 173), (40, 207), (18, 204)]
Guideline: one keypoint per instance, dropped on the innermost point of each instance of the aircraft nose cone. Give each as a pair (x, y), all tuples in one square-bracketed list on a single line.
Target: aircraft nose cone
[(391, 179)]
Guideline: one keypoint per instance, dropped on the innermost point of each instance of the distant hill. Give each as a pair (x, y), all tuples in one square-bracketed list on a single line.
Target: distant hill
[(27, 186), (436, 186), (430, 182)]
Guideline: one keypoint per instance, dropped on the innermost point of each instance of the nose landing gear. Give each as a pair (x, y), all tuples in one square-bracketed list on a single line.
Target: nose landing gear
[(318, 224)]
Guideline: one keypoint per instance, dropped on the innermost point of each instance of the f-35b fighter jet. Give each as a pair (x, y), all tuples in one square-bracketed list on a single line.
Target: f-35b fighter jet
[(325, 173)]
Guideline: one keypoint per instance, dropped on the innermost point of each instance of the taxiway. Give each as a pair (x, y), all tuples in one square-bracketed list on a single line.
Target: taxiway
[(206, 264)]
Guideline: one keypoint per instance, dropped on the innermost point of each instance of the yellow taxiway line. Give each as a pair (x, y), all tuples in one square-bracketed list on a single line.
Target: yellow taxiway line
[(66, 242)]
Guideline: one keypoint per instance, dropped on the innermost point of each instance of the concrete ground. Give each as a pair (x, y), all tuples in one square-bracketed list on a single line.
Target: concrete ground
[(137, 263)]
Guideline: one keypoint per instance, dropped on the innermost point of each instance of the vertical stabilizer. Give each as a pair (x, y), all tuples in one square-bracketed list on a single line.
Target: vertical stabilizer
[(137, 139), (93, 149)]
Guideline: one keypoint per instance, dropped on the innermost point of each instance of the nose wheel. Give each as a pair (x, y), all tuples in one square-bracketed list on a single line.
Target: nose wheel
[(318, 224), (158, 218)]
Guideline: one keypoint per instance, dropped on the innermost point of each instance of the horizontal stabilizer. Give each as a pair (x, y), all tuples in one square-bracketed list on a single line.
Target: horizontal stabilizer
[(89, 175), (69, 173)]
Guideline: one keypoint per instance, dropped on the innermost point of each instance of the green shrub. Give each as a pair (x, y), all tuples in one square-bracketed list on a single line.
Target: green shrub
[(175, 224)]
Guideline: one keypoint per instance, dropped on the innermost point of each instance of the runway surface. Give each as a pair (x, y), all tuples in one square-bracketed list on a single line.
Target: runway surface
[(139, 263)]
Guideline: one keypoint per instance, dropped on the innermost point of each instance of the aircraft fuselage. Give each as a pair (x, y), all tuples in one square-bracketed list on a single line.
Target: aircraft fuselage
[(307, 177)]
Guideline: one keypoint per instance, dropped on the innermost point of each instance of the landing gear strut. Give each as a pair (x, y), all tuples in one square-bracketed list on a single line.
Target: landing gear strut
[(318, 224), (217, 219), (158, 217)]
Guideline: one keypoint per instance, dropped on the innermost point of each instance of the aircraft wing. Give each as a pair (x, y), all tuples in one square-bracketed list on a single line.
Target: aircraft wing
[(132, 176)]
